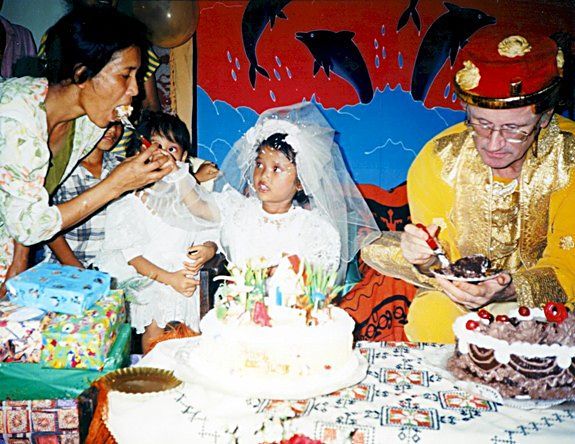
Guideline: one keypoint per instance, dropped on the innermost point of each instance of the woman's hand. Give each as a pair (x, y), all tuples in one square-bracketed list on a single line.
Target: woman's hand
[(18, 265), (143, 169), (206, 171), (200, 254), (472, 296), (182, 281), (414, 245)]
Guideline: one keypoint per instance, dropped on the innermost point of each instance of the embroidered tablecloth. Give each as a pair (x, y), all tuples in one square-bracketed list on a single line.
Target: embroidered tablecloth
[(403, 399)]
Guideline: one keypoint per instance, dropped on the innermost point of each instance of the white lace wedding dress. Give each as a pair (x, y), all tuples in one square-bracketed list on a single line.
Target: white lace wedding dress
[(247, 232)]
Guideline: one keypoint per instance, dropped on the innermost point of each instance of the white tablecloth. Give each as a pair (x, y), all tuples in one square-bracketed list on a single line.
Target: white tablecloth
[(404, 398)]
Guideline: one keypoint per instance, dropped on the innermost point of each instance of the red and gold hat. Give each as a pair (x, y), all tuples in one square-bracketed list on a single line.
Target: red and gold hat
[(501, 70)]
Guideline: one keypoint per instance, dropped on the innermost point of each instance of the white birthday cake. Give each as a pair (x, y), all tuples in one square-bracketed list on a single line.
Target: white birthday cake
[(279, 332)]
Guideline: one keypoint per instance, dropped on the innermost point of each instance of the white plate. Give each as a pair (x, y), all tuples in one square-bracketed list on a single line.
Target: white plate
[(519, 402), (464, 279), (273, 388)]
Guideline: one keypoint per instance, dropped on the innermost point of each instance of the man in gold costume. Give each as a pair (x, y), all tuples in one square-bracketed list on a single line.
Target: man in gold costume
[(501, 184)]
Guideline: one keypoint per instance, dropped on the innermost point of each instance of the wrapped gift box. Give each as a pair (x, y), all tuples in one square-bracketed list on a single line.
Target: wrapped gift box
[(58, 288), (43, 421), (83, 342), (23, 381), (20, 337)]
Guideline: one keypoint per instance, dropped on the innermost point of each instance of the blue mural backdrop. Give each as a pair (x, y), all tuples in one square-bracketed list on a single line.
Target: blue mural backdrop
[(379, 140)]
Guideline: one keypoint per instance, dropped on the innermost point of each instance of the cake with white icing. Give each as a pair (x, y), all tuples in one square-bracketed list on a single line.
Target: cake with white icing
[(279, 329), (287, 348), (529, 353)]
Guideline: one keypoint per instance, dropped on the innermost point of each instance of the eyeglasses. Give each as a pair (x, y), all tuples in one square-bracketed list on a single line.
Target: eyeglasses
[(511, 135)]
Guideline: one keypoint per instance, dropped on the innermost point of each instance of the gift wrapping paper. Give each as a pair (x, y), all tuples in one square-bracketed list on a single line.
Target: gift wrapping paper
[(40, 422), (20, 341), (23, 381), (58, 288), (83, 342)]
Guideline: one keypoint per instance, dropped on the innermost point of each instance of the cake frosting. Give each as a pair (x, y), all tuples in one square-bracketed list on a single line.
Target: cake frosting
[(289, 347), (272, 330), (123, 111), (527, 353)]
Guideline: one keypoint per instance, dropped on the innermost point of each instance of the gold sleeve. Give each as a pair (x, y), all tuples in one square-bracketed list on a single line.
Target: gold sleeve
[(385, 256)]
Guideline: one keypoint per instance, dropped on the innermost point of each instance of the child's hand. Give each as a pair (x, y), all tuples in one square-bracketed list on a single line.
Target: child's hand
[(182, 281), (200, 254), (206, 171)]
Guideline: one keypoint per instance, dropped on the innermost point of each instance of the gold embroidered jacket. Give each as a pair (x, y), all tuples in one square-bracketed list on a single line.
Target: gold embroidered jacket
[(525, 226)]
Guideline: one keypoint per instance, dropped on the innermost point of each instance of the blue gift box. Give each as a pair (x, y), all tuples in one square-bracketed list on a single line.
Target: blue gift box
[(58, 288)]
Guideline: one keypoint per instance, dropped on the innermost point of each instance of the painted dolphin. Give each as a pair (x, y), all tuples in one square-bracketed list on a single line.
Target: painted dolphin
[(335, 51), (254, 21), (443, 39), (411, 11)]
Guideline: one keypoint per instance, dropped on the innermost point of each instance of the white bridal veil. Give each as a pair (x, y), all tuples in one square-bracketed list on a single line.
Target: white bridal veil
[(320, 169)]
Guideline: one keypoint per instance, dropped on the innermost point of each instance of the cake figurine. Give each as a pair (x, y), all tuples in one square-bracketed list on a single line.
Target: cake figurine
[(267, 326), (528, 353)]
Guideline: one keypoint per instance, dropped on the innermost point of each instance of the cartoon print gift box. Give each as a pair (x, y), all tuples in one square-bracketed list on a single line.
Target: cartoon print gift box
[(83, 342), (58, 288)]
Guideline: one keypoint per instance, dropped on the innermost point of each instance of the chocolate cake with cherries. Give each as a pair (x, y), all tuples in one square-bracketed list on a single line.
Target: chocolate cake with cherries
[(529, 353)]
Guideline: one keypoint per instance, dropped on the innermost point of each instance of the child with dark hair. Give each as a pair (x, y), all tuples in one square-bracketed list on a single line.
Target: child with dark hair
[(140, 242), (176, 132)]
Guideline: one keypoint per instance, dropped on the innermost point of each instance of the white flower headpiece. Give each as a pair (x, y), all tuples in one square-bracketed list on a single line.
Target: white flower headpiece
[(256, 135)]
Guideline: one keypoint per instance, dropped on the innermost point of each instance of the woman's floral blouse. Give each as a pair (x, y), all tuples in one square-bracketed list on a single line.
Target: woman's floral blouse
[(25, 212)]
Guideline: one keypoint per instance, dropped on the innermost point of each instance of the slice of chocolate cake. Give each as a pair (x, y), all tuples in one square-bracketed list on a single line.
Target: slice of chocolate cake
[(476, 266)]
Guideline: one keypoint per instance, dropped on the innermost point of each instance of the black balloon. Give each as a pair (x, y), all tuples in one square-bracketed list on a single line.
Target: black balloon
[(171, 22)]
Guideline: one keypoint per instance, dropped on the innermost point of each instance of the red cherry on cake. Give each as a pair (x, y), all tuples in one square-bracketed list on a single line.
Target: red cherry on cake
[(471, 324), (484, 314), (524, 311), (502, 318), (555, 312)]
